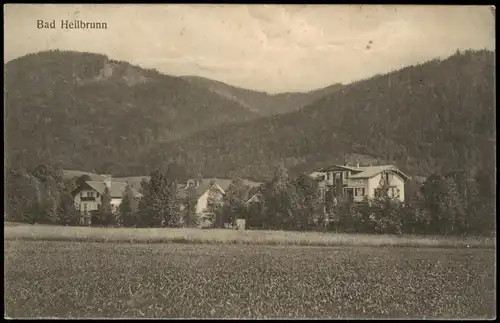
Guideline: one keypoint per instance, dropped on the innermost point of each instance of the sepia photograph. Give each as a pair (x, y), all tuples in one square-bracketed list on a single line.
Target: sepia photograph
[(249, 161)]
